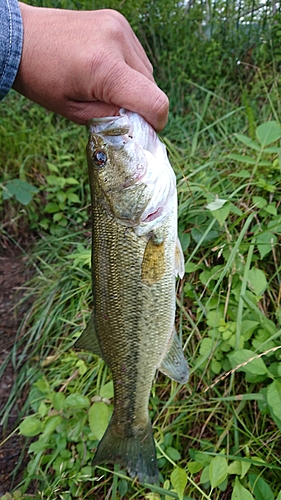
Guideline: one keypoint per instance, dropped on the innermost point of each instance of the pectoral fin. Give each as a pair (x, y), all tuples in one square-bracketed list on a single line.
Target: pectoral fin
[(179, 260), (88, 341), (154, 263), (174, 364)]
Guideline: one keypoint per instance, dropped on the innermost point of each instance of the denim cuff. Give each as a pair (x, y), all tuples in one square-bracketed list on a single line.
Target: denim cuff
[(11, 38)]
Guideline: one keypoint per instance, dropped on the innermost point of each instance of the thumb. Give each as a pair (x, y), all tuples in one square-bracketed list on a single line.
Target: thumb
[(127, 88)]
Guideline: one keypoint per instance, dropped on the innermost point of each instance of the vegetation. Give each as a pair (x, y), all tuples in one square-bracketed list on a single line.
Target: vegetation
[(218, 437)]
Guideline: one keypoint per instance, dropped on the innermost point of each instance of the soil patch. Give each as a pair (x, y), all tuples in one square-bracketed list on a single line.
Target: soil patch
[(14, 272)]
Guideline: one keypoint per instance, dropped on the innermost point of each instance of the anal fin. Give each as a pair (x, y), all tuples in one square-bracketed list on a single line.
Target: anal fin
[(174, 364), (88, 341)]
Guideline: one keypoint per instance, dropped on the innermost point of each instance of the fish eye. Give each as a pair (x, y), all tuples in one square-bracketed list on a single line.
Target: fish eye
[(99, 158)]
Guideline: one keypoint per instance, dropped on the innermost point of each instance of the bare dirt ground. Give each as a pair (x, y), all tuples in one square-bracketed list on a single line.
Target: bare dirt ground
[(13, 274)]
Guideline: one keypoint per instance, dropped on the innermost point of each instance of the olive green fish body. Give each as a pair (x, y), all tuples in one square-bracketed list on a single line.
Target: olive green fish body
[(135, 256), (133, 320)]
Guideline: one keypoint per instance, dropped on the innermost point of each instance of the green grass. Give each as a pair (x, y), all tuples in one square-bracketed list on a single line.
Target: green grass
[(218, 437)]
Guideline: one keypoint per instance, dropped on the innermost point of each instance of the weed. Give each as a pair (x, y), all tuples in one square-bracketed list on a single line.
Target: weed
[(218, 437)]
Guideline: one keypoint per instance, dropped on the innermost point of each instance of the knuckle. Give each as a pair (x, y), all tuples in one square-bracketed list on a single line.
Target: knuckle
[(160, 106), (112, 81), (117, 25)]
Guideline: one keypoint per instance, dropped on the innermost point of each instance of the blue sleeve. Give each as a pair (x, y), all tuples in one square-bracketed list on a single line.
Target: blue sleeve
[(11, 36)]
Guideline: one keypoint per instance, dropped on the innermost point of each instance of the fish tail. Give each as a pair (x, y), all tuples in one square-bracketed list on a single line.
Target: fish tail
[(135, 453)]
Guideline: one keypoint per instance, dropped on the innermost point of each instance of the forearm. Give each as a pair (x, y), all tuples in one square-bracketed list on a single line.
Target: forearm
[(11, 37)]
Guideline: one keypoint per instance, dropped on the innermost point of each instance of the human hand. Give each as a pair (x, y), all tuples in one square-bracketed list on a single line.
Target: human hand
[(87, 64)]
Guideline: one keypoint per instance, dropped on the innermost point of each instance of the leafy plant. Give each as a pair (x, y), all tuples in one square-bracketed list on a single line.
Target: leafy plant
[(62, 196), (21, 190), (217, 437)]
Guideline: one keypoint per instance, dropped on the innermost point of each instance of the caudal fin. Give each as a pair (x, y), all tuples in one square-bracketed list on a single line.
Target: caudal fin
[(136, 453)]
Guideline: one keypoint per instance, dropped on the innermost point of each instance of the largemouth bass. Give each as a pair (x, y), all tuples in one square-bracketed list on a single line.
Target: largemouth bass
[(136, 255)]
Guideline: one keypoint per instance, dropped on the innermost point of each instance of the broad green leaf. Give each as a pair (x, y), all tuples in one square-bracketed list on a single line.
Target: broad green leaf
[(58, 216), (279, 496), (107, 391), (243, 174), (43, 409), (61, 196), (265, 242), (244, 159), (21, 190), (265, 163), (191, 267), (173, 453), (248, 327), (275, 224), (98, 418), (271, 209), (77, 401), (215, 317), (206, 346), (218, 470), (184, 240), (51, 423), (38, 446), (42, 385), (30, 426), (210, 274), (51, 208), (82, 367), (274, 397), (71, 180), (122, 487), (245, 466), (58, 399), (202, 457), (259, 201), (222, 486), (273, 150), (248, 142), (268, 132), (205, 477), (222, 213), (257, 280), (194, 467), (239, 467), (198, 232), (216, 205), (53, 167), (245, 357), (260, 488), (55, 180), (240, 493), (73, 197), (215, 366), (179, 481)]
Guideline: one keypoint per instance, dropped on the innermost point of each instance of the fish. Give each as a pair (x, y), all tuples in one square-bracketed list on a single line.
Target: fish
[(136, 256)]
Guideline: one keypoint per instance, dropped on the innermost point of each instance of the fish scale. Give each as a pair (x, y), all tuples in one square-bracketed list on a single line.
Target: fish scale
[(134, 263), (137, 308)]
